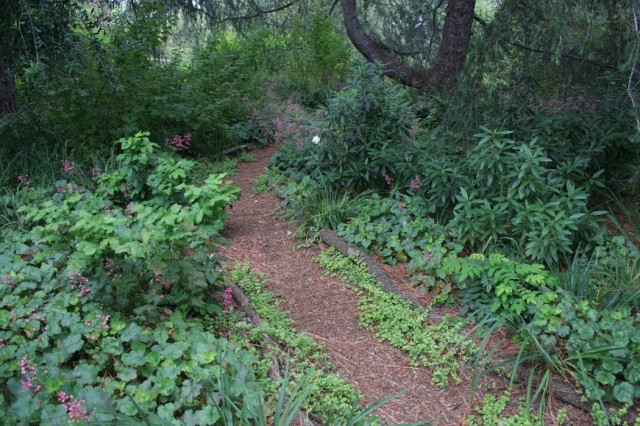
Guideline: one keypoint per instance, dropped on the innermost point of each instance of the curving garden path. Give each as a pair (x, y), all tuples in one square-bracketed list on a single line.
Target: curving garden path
[(326, 310)]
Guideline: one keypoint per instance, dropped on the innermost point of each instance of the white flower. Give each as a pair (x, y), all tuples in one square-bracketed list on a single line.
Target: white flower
[(316, 140)]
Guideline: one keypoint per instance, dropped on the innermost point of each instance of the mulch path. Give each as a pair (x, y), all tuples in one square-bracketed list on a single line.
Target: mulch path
[(326, 310)]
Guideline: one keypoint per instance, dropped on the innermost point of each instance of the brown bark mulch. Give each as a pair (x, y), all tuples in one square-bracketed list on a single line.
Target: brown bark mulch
[(326, 310)]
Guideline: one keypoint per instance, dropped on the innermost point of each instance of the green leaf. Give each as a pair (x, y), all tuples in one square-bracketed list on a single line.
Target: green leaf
[(71, 345), (111, 345), (127, 374), (623, 392), (134, 359), (132, 332)]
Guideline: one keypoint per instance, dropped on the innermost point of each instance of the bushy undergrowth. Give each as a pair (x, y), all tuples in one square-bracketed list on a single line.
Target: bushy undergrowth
[(117, 84), (523, 192), (516, 232), (99, 291)]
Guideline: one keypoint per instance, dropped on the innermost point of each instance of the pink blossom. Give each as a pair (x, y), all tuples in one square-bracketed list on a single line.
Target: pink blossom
[(95, 173), (388, 179), (78, 282), (67, 167), (24, 180), (29, 374), (109, 266), (415, 184), (76, 411), (427, 256), (227, 300), (179, 143)]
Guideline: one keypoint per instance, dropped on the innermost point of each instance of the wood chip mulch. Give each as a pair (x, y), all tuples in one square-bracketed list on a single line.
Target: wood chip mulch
[(326, 310)]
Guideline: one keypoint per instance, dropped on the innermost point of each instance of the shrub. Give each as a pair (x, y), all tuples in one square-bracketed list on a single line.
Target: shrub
[(361, 137)]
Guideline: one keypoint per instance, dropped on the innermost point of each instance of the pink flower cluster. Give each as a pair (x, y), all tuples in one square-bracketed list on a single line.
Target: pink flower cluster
[(95, 173), (69, 187), (427, 256), (78, 282), (24, 180), (67, 167), (76, 411), (6, 278), (29, 374), (415, 184), (129, 209), (284, 128), (388, 179), (35, 324), (109, 266), (179, 143), (227, 300)]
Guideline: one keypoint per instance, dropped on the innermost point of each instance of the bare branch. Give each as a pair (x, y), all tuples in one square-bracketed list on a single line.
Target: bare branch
[(332, 7), (565, 55), (257, 14)]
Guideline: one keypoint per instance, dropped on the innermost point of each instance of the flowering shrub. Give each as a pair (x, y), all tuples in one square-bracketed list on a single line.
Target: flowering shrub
[(179, 143), (87, 273)]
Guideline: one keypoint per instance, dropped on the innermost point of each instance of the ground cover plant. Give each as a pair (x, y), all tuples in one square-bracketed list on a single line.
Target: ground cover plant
[(87, 270), (437, 346)]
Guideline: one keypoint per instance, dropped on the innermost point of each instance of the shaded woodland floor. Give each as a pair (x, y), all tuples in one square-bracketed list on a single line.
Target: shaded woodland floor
[(326, 310)]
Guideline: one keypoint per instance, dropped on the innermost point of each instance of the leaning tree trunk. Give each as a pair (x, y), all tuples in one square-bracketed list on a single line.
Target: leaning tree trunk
[(8, 97), (449, 59)]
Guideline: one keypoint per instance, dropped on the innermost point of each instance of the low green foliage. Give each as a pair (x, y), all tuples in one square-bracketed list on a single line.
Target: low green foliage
[(315, 204), (270, 176), (394, 320), (330, 397), (508, 288), (601, 347), (491, 412), (86, 271), (399, 230)]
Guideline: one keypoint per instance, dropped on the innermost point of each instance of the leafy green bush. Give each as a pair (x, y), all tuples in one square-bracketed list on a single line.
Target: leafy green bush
[(508, 288), (360, 141), (117, 84), (86, 274), (316, 61), (145, 217), (518, 193)]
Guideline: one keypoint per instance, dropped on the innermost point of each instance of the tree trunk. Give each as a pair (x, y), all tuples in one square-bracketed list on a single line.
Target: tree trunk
[(449, 59), (8, 97)]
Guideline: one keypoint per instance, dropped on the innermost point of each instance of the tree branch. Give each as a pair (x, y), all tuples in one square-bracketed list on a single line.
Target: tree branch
[(332, 7), (479, 20), (256, 14), (565, 55)]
